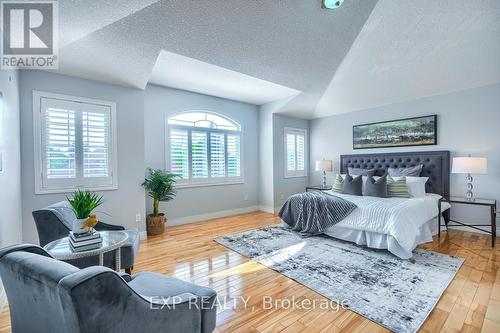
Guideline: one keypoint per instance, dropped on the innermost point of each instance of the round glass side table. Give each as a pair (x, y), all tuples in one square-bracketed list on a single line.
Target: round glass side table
[(111, 241)]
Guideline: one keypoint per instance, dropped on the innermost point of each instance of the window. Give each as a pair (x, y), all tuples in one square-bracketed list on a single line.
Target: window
[(75, 143), (295, 152), (204, 149)]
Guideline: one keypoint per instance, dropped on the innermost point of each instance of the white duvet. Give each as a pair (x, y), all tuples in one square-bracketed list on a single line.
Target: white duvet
[(399, 218)]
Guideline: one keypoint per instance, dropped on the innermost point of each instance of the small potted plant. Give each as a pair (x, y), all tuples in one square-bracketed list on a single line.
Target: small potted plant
[(160, 185), (83, 204)]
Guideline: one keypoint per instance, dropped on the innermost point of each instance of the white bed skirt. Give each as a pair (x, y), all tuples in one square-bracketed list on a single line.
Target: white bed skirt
[(382, 241)]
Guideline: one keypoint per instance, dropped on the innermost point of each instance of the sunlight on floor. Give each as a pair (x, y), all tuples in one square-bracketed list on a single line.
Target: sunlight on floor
[(273, 258), (248, 267)]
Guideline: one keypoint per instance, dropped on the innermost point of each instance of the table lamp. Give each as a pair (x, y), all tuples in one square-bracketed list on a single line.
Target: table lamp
[(324, 165), (470, 165)]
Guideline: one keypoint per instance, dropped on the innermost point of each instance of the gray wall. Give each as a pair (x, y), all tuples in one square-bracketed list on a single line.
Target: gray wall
[(284, 187), (467, 124), (10, 177), (160, 103), (266, 160), (123, 203)]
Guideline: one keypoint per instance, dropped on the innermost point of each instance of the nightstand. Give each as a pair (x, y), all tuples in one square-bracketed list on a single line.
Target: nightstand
[(490, 203), (318, 188)]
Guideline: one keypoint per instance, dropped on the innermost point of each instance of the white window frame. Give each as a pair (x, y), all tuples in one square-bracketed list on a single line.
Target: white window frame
[(2, 138), (295, 173), (209, 181), (41, 186)]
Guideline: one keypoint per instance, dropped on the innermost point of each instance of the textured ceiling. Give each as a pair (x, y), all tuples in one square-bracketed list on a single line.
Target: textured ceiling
[(363, 54), (176, 71), (413, 49), (79, 18)]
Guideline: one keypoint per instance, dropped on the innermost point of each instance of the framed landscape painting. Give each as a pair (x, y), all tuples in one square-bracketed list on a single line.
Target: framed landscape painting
[(419, 131)]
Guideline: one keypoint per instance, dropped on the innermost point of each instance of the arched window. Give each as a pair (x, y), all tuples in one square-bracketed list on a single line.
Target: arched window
[(204, 148)]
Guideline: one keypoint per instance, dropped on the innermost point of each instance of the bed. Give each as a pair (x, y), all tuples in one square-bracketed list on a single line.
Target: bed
[(395, 224)]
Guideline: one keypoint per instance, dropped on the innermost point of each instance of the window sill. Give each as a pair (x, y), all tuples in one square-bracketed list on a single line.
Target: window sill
[(297, 176), (71, 190), (181, 186)]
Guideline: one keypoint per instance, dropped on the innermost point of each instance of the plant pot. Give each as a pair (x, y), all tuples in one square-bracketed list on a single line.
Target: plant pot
[(77, 226), (155, 225)]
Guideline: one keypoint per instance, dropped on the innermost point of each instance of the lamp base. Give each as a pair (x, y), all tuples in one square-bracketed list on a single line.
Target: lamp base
[(324, 179), (469, 195)]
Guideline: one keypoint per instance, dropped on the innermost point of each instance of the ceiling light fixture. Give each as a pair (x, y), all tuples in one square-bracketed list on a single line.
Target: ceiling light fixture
[(331, 4)]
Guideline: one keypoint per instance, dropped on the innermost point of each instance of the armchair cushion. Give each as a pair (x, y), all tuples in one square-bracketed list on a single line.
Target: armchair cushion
[(153, 285)]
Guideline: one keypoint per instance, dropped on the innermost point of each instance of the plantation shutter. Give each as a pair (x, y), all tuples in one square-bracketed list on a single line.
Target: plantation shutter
[(295, 152), (300, 151), (204, 148), (199, 154), (290, 152), (179, 152), (233, 155), (76, 147), (96, 141), (60, 141), (217, 155)]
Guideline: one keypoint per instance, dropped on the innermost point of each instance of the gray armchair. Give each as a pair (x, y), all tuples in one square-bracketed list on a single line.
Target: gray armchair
[(55, 221), (47, 295)]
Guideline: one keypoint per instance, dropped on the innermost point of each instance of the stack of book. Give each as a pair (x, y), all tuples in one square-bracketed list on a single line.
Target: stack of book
[(84, 242)]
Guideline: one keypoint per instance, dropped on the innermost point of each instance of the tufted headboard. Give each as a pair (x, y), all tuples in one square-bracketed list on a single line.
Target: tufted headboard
[(436, 166)]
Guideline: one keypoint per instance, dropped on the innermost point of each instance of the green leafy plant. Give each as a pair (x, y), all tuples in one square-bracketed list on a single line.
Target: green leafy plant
[(84, 202), (160, 185)]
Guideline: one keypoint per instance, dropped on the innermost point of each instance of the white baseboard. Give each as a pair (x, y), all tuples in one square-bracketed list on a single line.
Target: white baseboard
[(213, 215), (486, 227), (143, 235), (267, 209), (3, 297)]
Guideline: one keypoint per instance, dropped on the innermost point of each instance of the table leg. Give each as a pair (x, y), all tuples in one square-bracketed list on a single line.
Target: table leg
[(118, 259), (439, 218), (101, 259), (493, 225)]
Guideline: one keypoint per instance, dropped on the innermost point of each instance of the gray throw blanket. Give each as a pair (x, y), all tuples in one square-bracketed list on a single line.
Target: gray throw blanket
[(313, 212)]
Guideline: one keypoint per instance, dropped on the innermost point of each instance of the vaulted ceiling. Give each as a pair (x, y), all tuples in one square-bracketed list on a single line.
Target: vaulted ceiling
[(318, 62)]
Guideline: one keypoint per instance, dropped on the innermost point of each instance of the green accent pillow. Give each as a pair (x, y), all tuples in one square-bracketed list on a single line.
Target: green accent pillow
[(338, 184), (397, 189)]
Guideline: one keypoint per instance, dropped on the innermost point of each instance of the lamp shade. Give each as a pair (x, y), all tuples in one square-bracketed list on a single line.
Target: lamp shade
[(323, 165), (472, 165)]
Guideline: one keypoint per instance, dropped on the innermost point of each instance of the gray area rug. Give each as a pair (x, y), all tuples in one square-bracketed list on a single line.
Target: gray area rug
[(395, 293)]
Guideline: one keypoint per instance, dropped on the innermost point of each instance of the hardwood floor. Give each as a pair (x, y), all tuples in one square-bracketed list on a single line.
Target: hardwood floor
[(470, 304)]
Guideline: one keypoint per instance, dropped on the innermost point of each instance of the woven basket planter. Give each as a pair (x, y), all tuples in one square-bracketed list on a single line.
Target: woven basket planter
[(155, 225)]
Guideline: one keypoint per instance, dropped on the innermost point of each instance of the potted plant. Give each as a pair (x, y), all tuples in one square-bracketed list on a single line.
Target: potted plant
[(160, 185), (83, 204)]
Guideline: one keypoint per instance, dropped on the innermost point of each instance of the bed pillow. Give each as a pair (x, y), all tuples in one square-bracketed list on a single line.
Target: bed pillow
[(376, 187), (361, 172), (416, 185), (397, 188), (411, 171), (338, 184), (353, 185)]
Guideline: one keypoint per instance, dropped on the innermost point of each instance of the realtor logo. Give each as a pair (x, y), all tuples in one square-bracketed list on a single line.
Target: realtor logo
[(29, 34)]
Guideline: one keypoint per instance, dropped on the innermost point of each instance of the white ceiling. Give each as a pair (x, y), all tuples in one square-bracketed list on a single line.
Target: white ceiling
[(363, 54), (413, 49), (176, 71)]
